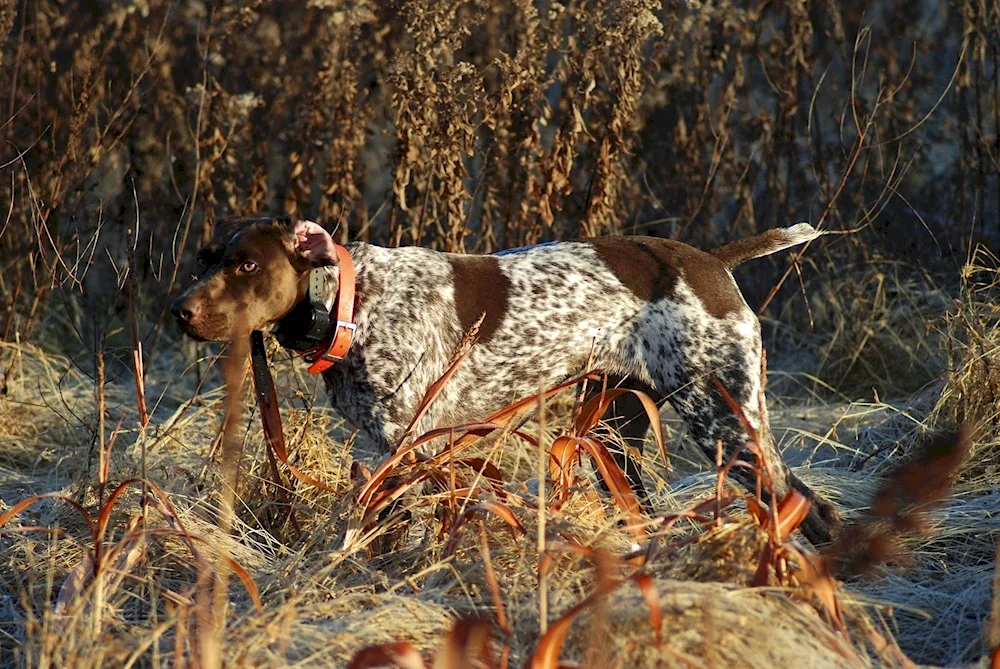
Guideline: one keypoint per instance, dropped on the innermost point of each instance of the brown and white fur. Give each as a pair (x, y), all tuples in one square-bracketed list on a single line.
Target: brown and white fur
[(655, 314)]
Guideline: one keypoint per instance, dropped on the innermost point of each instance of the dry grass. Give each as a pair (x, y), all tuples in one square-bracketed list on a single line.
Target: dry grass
[(321, 605), (127, 128)]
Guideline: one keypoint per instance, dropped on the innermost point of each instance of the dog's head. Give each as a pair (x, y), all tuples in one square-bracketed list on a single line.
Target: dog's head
[(250, 275)]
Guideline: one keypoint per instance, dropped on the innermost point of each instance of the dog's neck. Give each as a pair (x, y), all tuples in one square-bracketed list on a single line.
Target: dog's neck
[(364, 256), (323, 290)]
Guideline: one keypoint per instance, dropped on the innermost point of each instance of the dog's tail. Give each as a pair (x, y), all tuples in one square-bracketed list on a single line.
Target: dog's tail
[(766, 243)]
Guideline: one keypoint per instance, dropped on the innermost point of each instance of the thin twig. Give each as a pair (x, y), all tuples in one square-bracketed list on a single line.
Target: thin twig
[(543, 594)]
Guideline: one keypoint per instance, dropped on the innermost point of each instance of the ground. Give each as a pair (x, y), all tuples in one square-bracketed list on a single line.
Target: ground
[(128, 128), (321, 604)]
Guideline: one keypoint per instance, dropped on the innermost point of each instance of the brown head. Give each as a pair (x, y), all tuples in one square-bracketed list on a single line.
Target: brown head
[(251, 274)]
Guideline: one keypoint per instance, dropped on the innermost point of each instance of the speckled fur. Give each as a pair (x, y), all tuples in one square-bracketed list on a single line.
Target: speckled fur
[(562, 303)]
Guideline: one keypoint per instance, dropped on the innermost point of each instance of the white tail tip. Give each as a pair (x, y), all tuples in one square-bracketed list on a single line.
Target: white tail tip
[(801, 233)]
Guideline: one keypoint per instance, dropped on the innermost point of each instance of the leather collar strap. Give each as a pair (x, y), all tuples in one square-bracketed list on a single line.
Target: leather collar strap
[(322, 357), (270, 414)]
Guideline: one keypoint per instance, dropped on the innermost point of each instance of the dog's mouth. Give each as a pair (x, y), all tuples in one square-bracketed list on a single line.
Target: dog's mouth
[(206, 329), (190, 330)]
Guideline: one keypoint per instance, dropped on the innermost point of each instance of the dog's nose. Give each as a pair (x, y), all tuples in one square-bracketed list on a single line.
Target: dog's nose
[(183, 310)]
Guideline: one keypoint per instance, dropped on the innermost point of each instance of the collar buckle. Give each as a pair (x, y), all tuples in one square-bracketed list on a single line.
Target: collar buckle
[(324, 356)]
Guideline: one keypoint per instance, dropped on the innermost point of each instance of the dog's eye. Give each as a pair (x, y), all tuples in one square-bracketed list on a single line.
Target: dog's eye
[(249, 267)]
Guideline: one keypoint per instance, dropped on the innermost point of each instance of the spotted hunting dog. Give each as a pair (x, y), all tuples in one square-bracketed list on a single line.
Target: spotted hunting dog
[(655, 314)]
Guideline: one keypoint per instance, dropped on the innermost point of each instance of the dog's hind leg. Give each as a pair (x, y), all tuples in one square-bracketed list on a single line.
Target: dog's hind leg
[(711, 420), (628, 418)]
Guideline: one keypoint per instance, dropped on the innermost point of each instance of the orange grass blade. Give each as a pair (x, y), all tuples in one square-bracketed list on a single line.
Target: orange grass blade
[(546, 655), (109, 505), (648, 587), (162, 505), (77, 579), (106, 460), (386, 497), (699, 511), (383, 498), (459, 493), (127, 552), (248, 583), (792, 510), (484, 467), (738, 411), (735, 407), (495, 421), (594, 555), (435, 390), (237, 568), (466, 645), (563, 452), (309, 480), (595, 408), (616, 481), (814, 573), (469, 439), (521, 405), (359, 472), (713, 503), (166, 509), (472, 432), (400, 654), (758, 511), (501, 511), (385, 469), (494, 584), (35, 499), (760, 577)]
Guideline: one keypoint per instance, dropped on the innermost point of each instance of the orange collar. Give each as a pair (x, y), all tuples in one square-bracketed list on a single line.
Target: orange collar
[(323, 356)]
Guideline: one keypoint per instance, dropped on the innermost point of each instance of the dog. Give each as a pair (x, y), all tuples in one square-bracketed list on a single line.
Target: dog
[(656, 315)]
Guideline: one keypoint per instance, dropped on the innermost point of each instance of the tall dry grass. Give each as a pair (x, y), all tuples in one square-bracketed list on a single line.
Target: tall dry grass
[(129, 127), (481, 125)]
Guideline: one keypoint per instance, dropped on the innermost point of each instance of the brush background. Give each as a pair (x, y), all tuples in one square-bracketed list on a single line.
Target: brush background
[(128, 128)]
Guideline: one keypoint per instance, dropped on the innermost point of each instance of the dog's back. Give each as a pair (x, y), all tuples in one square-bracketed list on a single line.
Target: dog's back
[(656, 310)]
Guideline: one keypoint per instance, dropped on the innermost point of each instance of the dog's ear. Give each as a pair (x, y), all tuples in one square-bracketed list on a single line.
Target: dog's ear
[(313, 245)]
